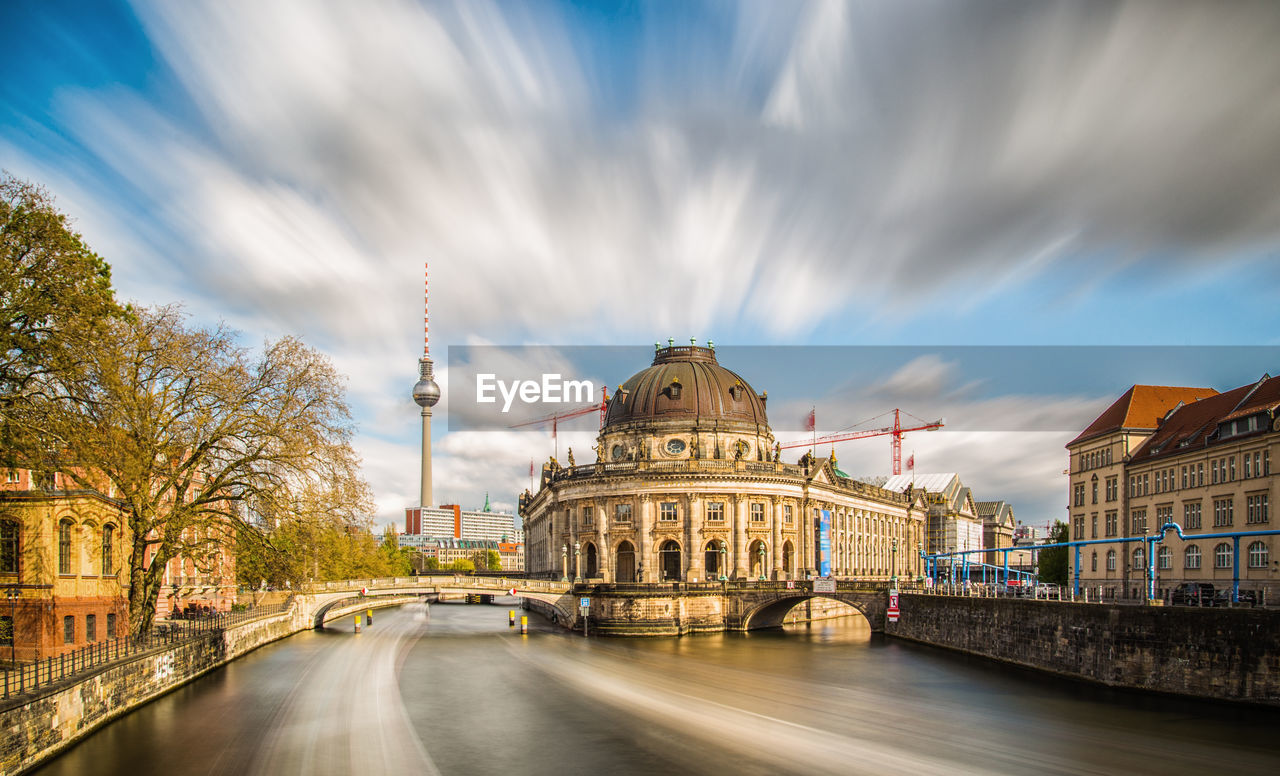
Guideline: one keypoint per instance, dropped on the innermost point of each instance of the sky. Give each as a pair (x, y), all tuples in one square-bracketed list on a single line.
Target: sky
[(1003, 212)]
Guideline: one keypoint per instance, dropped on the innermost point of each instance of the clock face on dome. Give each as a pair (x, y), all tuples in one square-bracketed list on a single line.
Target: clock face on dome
[(675, 446), (617, 452)]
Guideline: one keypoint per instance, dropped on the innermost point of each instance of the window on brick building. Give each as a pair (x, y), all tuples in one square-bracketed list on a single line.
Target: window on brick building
[(1111, 560), (91, 628), (64, 546), (111, 625), (1191, 516), (108, 549), (68, 630), (9, 533), (6, 631), (1257, 508)]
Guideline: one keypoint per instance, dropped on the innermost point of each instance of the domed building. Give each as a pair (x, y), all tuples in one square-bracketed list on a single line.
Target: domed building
[(689, 486)]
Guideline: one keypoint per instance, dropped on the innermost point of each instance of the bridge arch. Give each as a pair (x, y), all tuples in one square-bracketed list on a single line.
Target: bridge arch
[(768, 609)]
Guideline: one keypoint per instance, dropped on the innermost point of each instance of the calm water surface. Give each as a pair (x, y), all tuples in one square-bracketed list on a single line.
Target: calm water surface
[(452, 690)]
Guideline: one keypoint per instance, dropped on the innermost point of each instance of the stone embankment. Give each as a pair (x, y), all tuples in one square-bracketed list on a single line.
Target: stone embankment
[(35, 728), (1220, 653)]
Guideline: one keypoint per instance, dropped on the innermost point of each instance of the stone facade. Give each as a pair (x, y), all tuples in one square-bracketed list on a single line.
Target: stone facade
[(687, 488)]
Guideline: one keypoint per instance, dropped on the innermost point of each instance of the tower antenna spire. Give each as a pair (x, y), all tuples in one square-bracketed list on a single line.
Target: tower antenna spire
[(425, 394)]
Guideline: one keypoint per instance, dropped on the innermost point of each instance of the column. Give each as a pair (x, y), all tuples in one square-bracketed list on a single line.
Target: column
[(604, 568), (643, 563), (740, 518), (777, 538)]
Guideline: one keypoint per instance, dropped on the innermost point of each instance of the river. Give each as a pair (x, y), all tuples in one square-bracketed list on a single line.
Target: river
[(451, 689)]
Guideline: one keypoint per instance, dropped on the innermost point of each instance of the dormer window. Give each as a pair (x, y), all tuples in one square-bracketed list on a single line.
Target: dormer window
[(736, 391), (674, 388)]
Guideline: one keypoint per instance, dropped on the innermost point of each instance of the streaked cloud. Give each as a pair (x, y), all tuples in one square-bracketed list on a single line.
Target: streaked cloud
[(770, 171)]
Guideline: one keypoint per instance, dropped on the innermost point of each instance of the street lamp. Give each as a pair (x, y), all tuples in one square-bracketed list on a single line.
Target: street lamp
[(761, 561), (564, 563), (577, 561), (893, 578), (724, 558)]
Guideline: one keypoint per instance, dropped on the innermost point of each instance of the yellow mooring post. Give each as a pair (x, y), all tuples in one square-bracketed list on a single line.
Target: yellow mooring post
[(357, 623), (369, 616), (511, 618), (524, 626)]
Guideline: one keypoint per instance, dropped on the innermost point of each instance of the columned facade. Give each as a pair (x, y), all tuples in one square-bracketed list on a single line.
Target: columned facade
[(689, 488)]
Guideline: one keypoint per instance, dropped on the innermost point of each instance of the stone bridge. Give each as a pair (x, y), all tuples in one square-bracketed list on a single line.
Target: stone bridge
[(679, 608), (319, 602), (624, 610)]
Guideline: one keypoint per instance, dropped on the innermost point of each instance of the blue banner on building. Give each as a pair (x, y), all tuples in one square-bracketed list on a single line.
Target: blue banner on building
[(824, 544)]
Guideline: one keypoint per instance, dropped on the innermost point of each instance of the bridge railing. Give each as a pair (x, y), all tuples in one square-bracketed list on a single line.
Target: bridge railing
[(28, 678)]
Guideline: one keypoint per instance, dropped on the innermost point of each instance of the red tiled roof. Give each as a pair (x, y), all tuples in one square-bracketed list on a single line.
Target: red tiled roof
[(1191, 426), (1141, 407)]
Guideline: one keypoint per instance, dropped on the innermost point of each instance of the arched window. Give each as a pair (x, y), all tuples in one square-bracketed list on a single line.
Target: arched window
[(786, 556), (593, 562), (625, 560), (1191, 557), (1111, 560), (1093, 563), (1139, 559), (712, 560), (1258, 555), (756, 559), (670, 561), (8, 547), (1166, 558), (108, 540), (1222, 556), (64, 546)]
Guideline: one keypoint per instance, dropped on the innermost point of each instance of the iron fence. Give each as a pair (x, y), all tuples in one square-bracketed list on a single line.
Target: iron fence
[(28, 678)]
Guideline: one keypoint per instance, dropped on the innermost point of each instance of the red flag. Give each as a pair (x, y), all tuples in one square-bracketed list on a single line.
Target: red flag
[(812, 423), (530, 467), (553, 428), (911, 462)]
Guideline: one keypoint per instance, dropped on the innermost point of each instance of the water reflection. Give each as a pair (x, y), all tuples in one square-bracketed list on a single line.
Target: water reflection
[(461, 693)]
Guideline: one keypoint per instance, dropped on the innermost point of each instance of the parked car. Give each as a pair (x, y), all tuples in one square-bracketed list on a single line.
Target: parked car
[(1223, 598), (1192, 594)]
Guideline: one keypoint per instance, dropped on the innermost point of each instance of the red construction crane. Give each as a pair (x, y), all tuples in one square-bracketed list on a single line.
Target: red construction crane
[(895, 431), (555, 418)]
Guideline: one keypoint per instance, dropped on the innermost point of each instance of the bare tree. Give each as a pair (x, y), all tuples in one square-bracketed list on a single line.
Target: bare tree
[(198, 439)]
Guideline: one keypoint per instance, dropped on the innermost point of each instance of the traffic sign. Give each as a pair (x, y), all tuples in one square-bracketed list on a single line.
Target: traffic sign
[(584, 602)]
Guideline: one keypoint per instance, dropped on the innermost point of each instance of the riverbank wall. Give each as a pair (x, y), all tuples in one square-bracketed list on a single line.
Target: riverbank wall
[(1219, 653), (36, 728)]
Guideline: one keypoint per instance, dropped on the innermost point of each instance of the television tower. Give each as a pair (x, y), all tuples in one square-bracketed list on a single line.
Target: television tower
[(425, 394)]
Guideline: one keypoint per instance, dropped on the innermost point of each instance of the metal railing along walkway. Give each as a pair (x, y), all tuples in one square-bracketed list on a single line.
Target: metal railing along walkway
[(28, 678)]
